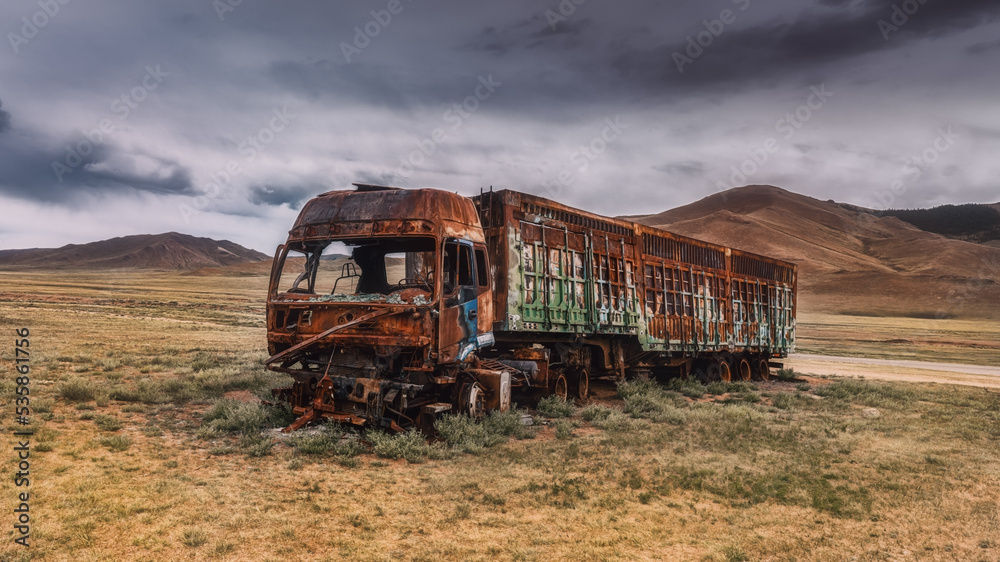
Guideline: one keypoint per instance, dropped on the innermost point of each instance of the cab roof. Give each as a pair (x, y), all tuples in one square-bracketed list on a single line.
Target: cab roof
[(371, 204)]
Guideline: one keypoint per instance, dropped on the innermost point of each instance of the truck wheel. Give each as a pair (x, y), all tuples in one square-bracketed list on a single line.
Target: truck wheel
[(725, 371), (745, 373), (472, 400), (763, 369), (712, 372), (581, 384), (559, 387)]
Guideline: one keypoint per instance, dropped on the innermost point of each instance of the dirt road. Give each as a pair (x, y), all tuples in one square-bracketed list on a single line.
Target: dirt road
[(914, 371)]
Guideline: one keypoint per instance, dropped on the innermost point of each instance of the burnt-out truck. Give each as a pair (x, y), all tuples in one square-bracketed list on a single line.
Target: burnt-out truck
[(391, 306)]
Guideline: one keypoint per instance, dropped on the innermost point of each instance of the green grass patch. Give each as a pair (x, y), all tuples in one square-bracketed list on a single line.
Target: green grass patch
[(410, 445), (255, 444), (564, 429), (206, 383), (116, 442), (608, 419), (650, 400), (42, 405), (786, 400), (464, 434), (152, 431), (790, 485), (718, 388), (248, 420), (194, 537), (555, 407), (236, 416), (868, 393), (742, 397), (690, 388), (78, 390), (787, 375), (331, 439), (108, 423)]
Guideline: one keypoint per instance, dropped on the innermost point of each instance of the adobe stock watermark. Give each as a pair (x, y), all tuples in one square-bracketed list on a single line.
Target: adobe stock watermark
[(33, 24), (223, 7), (915, 167), (563, 11), (363, 35), (456, 116), (787, 126), (122, 107), (581, 159), (957, 297), (899, 17), (249, 148), (697, 43)]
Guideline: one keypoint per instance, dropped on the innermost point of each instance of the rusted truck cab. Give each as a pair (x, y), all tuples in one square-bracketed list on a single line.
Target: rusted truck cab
[(376, 305)]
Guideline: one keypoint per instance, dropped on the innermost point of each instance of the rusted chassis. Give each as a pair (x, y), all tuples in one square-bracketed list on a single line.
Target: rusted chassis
[(514, 293)]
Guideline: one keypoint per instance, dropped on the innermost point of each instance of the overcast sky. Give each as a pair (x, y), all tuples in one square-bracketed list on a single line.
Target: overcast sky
[(221, 118)]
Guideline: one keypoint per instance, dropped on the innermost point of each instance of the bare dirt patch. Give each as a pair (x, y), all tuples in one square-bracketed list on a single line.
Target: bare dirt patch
[(897, 370)]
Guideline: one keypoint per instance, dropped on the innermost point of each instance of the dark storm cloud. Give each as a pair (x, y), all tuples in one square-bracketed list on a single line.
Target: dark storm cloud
[(985, 47), (26, 168), (4, 118), (367, 84), (531, 33), (571, 31), (176, 179), (777, 49), (35, 168), (491, 41), (765, 44), (561, 78)]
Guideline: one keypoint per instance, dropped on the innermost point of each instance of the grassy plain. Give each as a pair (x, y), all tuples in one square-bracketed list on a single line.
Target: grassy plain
[(138, 455), (971, 341)]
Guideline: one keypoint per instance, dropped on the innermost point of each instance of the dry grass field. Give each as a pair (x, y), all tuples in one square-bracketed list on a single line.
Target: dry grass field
[(149, 445), (970, 341)]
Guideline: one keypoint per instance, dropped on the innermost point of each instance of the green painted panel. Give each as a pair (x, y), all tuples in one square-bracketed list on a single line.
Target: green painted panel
[(559, 290)]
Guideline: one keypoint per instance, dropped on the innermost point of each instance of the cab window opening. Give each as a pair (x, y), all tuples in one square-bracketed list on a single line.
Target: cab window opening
[(363, 268)]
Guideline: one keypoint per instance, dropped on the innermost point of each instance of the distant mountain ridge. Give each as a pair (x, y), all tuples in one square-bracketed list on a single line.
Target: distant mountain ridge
[(168, 251), (974, 222), (849, 259)]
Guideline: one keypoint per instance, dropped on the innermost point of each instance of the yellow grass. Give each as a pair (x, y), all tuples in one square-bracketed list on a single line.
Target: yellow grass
[(972, 341), (730, 479)]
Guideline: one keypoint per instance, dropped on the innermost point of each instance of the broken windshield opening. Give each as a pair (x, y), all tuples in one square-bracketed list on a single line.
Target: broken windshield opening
[(390, 270)]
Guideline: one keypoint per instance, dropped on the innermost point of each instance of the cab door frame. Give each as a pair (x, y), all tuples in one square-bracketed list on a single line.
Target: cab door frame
[(458, 331)]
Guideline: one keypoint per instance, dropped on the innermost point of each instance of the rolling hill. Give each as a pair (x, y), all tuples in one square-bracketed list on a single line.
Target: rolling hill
[(849, 260), (169, 251)]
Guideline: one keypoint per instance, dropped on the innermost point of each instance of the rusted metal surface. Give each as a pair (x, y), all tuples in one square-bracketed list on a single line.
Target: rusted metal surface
[(284, 355), (364, 348), (387, 212), (386, 305), (640, 297)]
